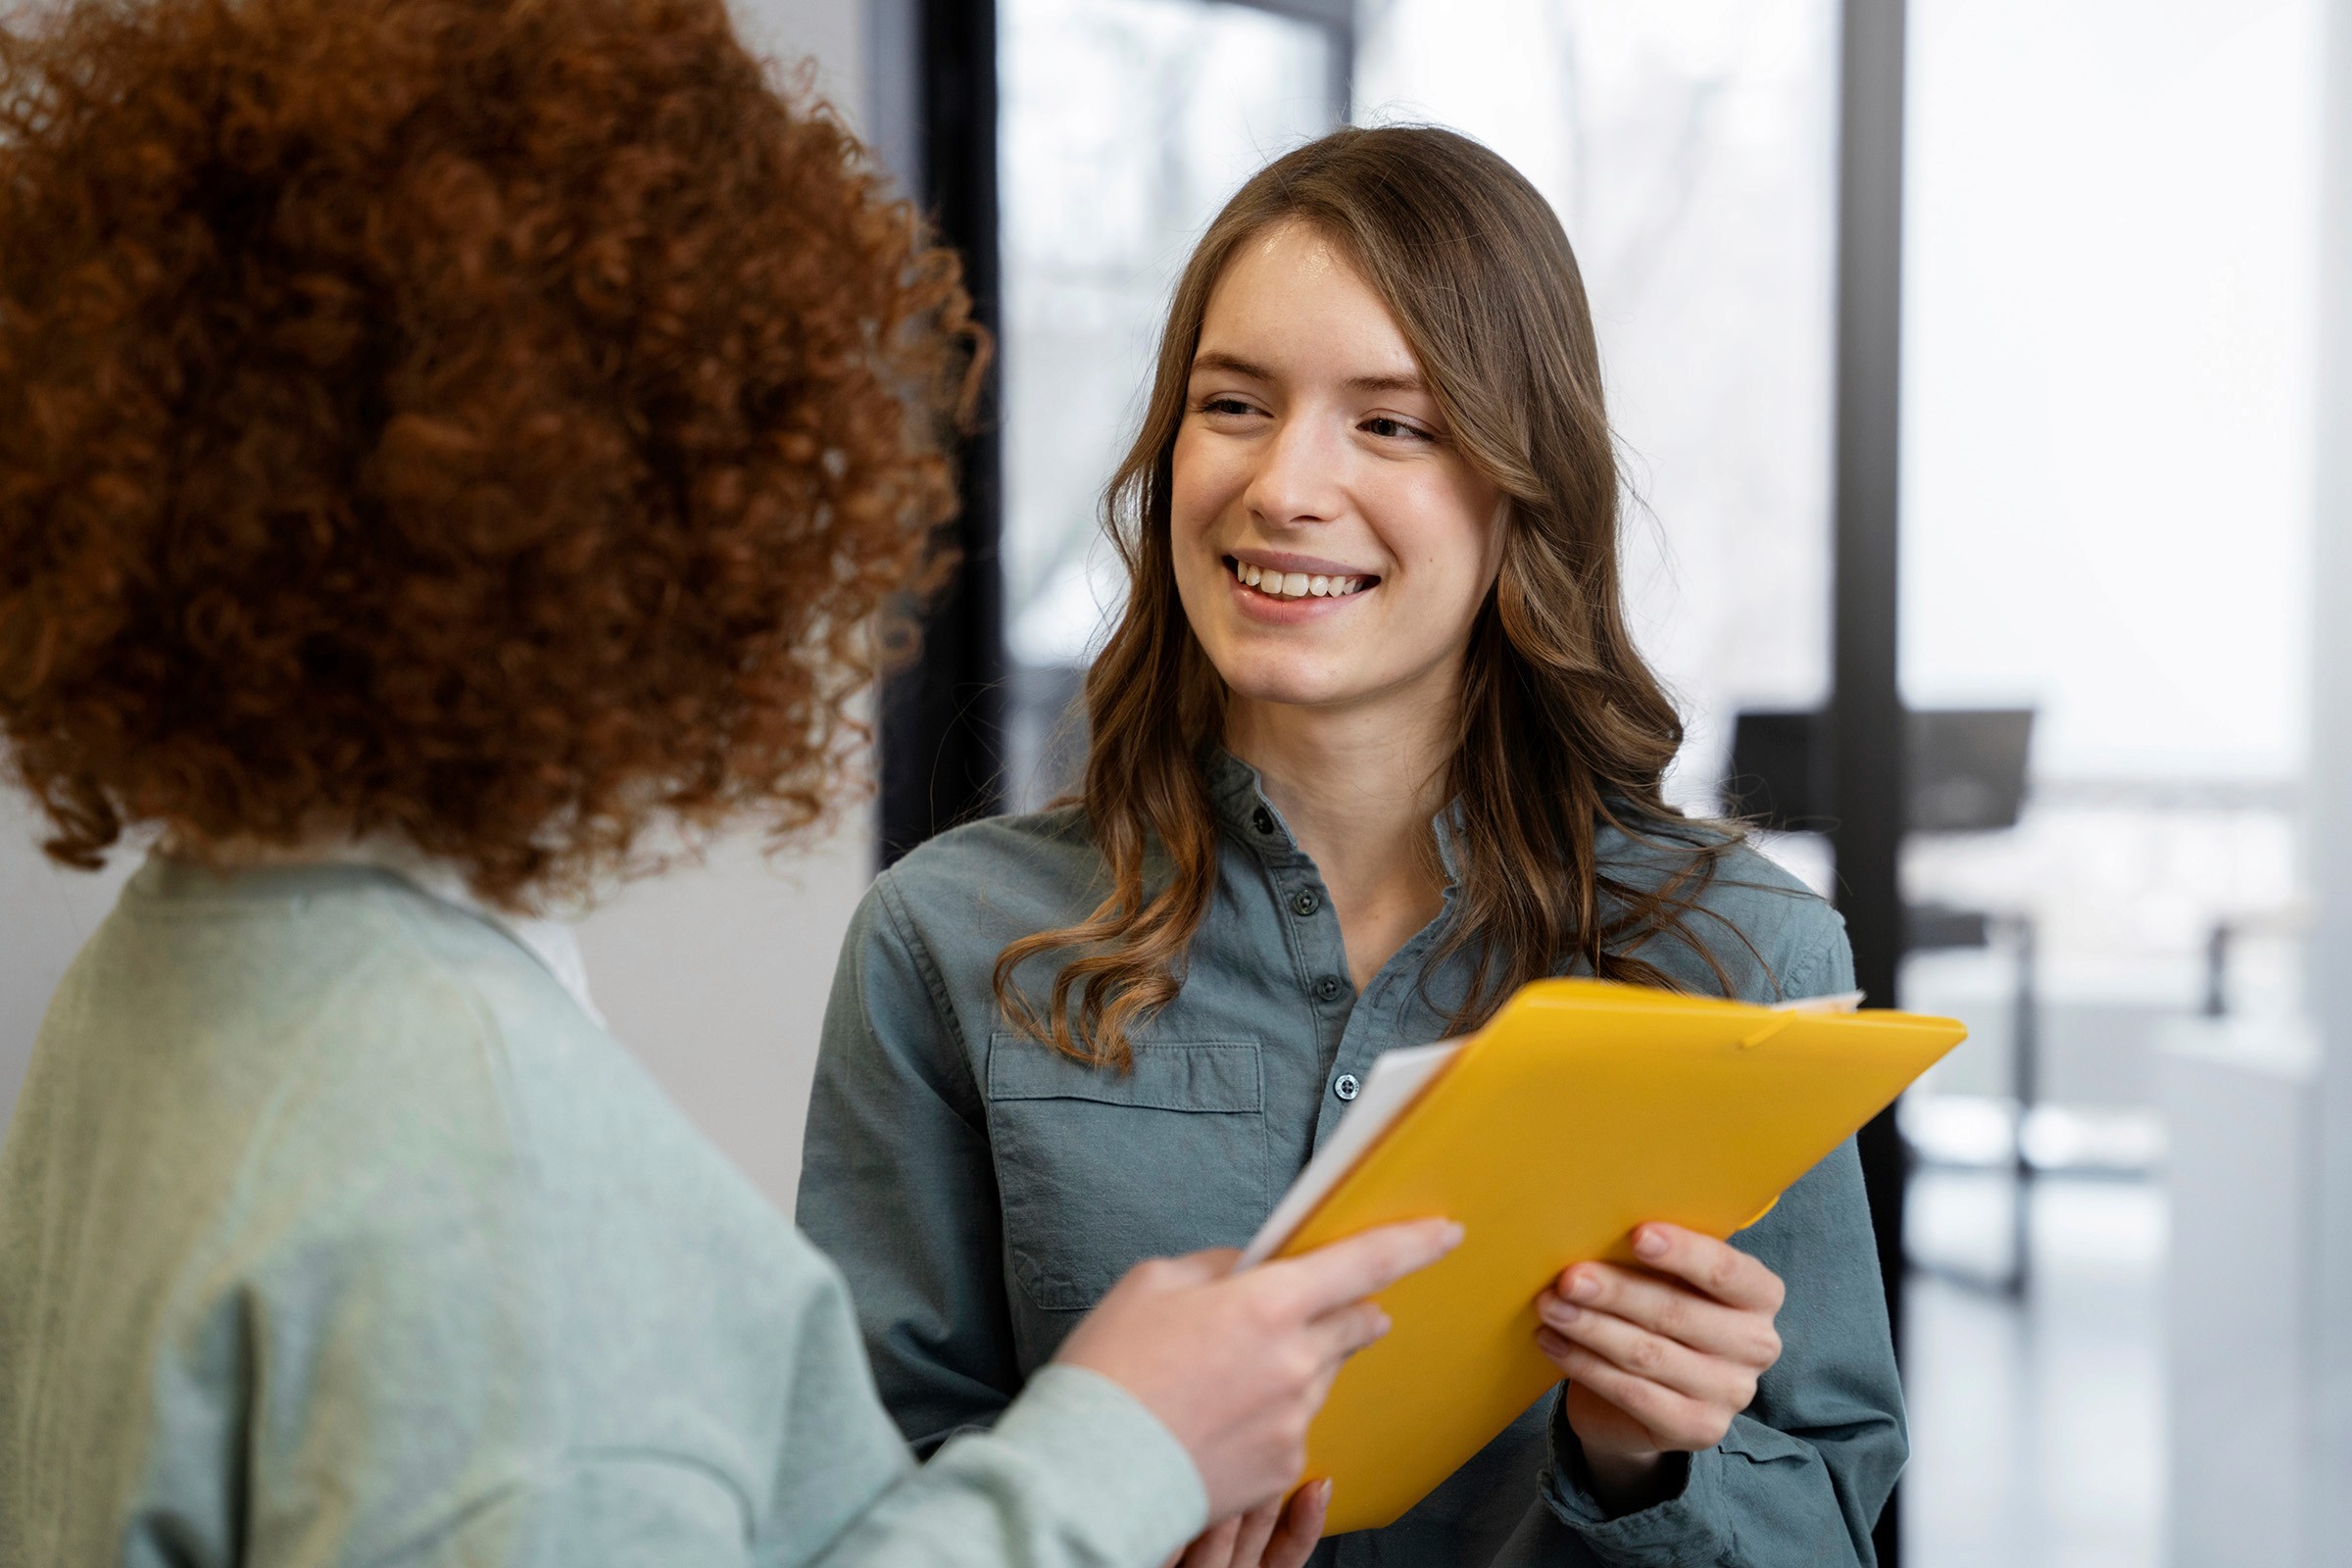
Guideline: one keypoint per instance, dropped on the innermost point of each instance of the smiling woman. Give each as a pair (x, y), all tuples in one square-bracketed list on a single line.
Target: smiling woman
[(1330, 543), (1379, 354), (1371, 745)]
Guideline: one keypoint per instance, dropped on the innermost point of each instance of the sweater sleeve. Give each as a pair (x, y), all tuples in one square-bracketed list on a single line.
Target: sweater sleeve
[(1075, 1474)]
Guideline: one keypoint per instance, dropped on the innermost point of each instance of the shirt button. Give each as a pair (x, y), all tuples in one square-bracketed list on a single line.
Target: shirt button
[(1303, 903), (1262, 820), (1328, 988), (1347, 1087)]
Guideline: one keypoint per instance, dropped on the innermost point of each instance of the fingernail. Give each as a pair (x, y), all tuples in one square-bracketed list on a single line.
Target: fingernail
[(1649, 1242), (1583, 1288), (1556, 1310), (1455, 1233), (1324, 1488)]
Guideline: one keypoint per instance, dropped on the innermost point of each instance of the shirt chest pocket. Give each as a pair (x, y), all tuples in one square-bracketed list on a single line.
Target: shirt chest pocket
[(1098, 1169)]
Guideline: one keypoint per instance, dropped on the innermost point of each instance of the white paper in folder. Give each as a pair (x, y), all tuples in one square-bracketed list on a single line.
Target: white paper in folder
[(1396, 1076)]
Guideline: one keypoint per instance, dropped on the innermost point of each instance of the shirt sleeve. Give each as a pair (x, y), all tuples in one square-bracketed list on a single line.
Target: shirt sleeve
[(898, 1188), (1803, 1474)]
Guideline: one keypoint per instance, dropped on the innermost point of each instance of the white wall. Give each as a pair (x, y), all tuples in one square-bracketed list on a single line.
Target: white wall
[(2330, 977), (45, 912), (829, 33), (715, 976)]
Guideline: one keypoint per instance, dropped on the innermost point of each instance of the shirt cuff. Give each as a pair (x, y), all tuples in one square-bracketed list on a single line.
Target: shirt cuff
[(1687, 1527), (1124, 1474)]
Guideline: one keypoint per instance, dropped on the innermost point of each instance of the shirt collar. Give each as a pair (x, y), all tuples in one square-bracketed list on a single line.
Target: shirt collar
[(1241, 802)]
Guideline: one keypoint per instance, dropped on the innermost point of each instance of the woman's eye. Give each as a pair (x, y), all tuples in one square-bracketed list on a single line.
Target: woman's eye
[(1226, 406), (1396, 427)]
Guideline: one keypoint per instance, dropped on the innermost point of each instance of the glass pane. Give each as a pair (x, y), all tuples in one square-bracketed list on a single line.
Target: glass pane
[(2108, 314), (1125, 124), (1690, 151)]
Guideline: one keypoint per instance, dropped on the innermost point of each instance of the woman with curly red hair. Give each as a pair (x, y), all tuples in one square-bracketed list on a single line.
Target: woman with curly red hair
[(445, 445)]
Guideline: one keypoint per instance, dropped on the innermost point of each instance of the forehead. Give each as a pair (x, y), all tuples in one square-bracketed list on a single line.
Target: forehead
[(1294, 301)]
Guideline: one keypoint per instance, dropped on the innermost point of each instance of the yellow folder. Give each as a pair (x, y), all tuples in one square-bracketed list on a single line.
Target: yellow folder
[(1581, 1111)]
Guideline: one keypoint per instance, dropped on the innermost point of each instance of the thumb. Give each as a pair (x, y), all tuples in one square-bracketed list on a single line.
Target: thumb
[(1301, 1528)]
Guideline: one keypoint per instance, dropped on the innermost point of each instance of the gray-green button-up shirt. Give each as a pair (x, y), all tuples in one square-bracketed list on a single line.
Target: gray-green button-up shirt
[(981, 1191)]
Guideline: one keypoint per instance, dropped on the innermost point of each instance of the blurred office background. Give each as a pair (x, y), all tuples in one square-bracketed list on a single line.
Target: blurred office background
[(2110, 238), (2124, 262)]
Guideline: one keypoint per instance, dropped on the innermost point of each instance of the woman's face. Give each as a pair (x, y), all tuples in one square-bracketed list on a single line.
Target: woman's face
[(1332, 545)]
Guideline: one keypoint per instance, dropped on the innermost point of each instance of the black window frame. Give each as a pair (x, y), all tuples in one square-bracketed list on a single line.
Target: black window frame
[(943, 727)]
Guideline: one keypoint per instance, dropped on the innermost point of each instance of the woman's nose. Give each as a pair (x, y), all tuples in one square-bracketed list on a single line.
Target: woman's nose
[(1297, 475)]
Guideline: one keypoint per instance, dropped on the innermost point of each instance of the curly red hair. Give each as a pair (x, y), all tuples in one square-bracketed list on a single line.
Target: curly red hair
[(490, 423)]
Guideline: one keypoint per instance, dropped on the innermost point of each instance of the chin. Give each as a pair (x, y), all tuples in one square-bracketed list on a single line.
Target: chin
[(1287, 687)]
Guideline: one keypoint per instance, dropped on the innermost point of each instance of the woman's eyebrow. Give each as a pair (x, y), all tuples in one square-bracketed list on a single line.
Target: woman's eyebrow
[(1231, 365), (1234, 364)]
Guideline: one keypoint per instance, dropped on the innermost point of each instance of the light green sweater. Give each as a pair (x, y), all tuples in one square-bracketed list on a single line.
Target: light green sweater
[(332, 1231)]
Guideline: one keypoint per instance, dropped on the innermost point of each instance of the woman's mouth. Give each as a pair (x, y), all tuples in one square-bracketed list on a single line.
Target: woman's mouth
[(1296, 584)]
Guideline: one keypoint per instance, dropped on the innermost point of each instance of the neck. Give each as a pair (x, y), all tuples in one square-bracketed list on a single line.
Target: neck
[(1354, 789), (1358, 789)]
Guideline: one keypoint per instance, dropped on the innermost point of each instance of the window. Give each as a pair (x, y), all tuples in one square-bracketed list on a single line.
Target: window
[(1124, 126)]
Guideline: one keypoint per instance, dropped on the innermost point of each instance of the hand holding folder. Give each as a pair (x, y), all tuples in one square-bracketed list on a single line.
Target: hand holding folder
[(1662, 1359), (1583, 1109)]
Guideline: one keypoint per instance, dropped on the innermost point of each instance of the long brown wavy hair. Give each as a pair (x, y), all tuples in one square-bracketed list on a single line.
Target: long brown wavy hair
[(1562, 728)]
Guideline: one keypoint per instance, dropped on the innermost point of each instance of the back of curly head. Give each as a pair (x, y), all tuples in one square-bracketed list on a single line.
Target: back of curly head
[(488, 424)]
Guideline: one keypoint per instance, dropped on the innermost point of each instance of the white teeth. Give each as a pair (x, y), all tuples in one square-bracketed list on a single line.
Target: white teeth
[(1296, 584)]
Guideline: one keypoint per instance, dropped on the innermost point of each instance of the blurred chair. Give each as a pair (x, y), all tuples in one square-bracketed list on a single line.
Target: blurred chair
[(1965, 770)]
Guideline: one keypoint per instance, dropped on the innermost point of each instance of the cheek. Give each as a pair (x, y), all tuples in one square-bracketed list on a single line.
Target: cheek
[(1449, 541), (1201, 482)]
